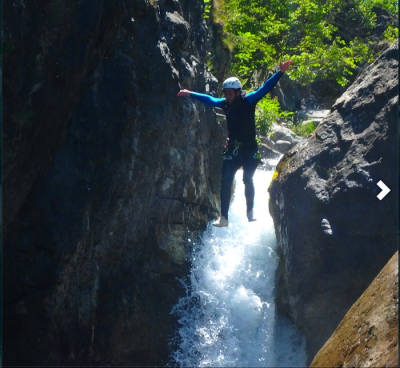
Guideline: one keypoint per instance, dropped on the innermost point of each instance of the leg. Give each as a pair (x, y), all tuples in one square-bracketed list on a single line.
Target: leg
[(229, 168), (249, 168)]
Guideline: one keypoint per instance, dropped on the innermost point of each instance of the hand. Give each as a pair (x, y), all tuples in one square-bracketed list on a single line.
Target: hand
[(285, 66), (183, 92)]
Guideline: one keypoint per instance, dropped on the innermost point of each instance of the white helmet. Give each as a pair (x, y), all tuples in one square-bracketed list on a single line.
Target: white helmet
[(232, 82)]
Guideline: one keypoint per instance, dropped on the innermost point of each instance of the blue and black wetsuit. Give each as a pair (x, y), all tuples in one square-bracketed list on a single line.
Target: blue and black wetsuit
[(242, 145)]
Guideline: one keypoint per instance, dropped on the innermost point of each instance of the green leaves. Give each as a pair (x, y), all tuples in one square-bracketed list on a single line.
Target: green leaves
[(269, 111), (326, 39), (305, 129), (334, 62), (391, 33), (207, 8)]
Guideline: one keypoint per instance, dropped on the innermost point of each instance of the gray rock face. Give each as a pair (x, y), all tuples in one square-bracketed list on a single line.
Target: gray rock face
[(282, 133), (282, 139), (316, 116), (368, 335), (334, 235), (105, 173), (268, 153), (282, 146), (219, 54)]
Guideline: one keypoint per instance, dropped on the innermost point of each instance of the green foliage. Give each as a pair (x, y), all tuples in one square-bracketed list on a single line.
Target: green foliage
[(392, 6), (325, 38), (269, 111), (391, 33), (207, 8), (334, 62), (304, 129)]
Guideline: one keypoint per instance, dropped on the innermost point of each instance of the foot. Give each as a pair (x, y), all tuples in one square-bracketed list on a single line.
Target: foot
[(250, 216), (221, 222)]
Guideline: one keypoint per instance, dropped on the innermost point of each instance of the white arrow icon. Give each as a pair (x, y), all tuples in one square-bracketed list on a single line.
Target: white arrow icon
[(385, 190)]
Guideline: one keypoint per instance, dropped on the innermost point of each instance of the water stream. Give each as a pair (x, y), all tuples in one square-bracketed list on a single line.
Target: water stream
[(228, 316)]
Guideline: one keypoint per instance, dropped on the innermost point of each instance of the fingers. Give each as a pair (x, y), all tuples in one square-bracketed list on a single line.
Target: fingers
[(183, 92), (285, 65)]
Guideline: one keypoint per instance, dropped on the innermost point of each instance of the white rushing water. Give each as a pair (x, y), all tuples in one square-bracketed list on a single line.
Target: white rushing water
[(228, 316)]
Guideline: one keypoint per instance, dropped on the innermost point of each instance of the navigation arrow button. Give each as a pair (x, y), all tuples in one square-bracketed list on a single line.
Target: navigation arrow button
[(385, 190)]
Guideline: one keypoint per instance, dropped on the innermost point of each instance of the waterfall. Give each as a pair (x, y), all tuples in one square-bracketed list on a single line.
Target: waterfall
[(228, 317)]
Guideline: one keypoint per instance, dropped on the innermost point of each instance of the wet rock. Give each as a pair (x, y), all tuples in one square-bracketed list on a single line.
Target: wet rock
[(282, 133), (268, 153), (268, 157), (334, 235), (316, 116), (172, 239), (266, 141), (368, 334), (282, 146), (106, 173)]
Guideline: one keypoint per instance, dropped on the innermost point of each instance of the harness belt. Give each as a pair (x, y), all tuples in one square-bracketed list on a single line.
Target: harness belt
[(234, 146)]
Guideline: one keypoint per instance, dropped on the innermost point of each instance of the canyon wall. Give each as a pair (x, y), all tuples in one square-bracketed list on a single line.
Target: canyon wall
[(368, 335), (106, 174), (334, 235)]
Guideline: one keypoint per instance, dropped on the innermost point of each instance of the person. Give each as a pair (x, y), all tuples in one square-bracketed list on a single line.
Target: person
[(241, 149)]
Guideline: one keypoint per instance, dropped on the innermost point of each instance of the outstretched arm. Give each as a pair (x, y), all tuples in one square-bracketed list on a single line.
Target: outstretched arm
[(205, 99), (256, 96)]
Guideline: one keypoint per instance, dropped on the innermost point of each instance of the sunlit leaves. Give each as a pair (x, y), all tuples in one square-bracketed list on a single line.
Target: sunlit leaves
[(265, 32), (391, 33), (207, 8), (269, 111)]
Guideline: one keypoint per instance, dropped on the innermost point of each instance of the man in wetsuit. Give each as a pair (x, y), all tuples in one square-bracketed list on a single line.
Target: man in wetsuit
[(241, 149)]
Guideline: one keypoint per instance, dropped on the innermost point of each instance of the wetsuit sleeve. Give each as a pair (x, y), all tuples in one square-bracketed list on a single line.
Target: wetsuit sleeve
[(254, 97), (207, 100)]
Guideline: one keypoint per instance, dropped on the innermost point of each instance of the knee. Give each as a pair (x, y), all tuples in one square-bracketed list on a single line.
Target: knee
[(247, 180)]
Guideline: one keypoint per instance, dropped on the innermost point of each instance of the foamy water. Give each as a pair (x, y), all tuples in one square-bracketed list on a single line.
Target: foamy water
[(228, 316)]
